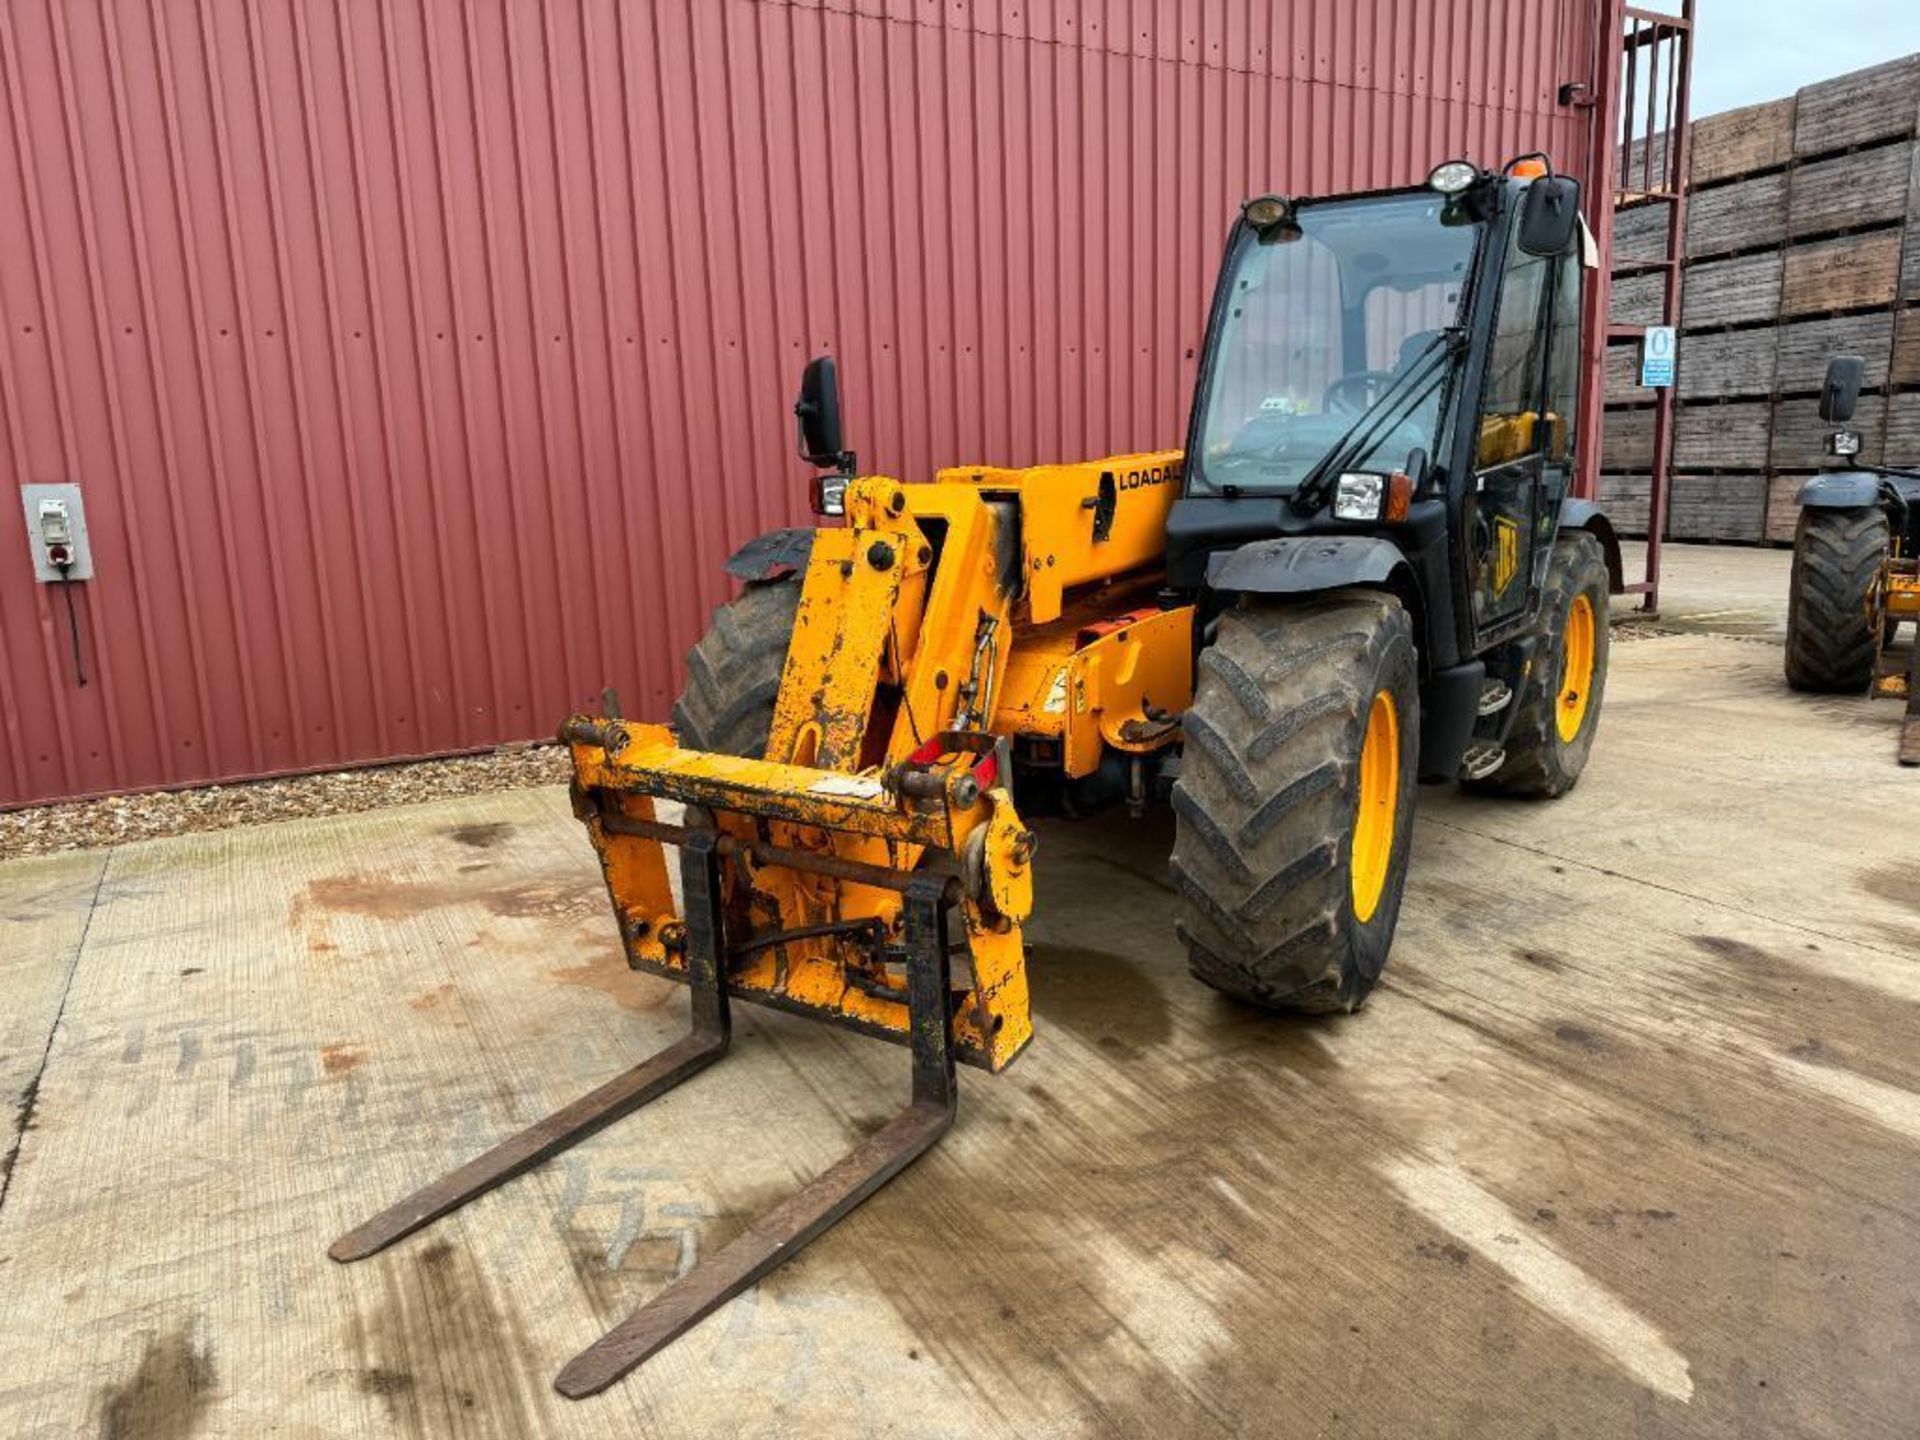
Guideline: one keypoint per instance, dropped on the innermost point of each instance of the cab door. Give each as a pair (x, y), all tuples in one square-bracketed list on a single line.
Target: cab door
[(1522, 450)]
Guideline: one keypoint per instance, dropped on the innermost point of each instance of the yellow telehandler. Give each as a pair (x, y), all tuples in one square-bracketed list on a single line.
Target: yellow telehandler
[(1364, 570)]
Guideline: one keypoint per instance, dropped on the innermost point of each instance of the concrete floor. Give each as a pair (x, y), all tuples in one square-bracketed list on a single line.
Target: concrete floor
[(1628, 1143), (1718, 589)]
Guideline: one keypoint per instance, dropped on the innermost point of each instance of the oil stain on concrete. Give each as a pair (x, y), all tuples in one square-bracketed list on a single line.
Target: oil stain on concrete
[(480, 836), (606, 971), (438, 1344), (383, 898), (168, 1394)]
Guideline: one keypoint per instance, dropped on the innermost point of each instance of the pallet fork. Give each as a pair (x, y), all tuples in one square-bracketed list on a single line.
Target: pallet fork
[(783, 1231)]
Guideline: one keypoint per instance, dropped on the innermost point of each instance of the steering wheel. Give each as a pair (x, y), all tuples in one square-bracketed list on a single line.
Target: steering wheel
[(1352, 394)]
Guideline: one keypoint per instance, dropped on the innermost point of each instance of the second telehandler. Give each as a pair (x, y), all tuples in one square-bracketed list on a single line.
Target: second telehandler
[(1856, 568), (1364, 570)]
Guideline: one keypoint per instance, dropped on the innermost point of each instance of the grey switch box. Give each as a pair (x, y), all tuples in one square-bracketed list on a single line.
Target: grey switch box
[(57, 526)]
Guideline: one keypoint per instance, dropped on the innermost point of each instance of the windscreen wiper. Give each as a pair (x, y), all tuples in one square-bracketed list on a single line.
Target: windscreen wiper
[(1407, 390)]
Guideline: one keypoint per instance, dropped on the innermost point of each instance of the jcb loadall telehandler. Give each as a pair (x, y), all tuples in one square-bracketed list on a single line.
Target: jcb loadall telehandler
[(1363, 570)]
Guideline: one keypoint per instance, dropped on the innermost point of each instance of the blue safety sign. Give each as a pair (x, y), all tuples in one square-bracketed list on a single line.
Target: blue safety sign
[(1657, 353)]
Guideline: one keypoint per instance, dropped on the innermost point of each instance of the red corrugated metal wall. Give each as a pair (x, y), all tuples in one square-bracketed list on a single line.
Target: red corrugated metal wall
[(420, 361)]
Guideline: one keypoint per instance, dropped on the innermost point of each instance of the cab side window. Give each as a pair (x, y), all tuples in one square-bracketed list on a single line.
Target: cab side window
[(1563, 359), (1512, 401)]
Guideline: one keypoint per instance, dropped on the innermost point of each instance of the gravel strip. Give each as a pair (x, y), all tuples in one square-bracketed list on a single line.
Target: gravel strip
[(87, 824)]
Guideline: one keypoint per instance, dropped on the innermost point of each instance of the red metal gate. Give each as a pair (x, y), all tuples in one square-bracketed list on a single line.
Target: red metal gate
[(420, 361), (1651, 140)]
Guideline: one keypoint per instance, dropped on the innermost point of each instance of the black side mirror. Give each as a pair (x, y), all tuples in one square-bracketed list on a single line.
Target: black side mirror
[(818, 413), (1841, 390), (1550, 215)]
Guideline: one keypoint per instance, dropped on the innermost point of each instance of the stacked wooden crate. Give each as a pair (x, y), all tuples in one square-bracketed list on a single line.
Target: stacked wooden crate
[(1803, 241)]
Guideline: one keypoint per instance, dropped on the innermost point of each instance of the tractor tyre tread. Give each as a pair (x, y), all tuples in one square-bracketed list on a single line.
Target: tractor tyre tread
[(1831, 636), (733, 672), (1265, 802)]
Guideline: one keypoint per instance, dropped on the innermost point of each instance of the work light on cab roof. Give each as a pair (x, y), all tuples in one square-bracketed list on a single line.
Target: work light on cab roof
[(1271, 217), (1451, 177)]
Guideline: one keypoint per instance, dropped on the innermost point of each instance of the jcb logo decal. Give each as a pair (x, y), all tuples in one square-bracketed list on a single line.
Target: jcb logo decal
[(1506, 552)]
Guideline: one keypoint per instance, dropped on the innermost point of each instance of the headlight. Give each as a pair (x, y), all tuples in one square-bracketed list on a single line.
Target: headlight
[(830, 494), (1843, 442), (1364, 495), (1359, 495), (1451, 177)]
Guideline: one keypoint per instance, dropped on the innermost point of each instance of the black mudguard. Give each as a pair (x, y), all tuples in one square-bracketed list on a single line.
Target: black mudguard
[(1840, 490), (771, 556), (1302, 564), (1586, 515)]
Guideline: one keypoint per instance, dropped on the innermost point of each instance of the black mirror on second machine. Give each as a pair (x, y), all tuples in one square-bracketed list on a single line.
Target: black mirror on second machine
[(1841, 390)]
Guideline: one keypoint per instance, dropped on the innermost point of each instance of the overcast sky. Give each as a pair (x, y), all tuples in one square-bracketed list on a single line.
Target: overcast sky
[(1752, 50)]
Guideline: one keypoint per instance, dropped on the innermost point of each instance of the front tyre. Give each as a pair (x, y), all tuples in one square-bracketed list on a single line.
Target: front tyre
[(1294, 808), (733, 673), (1833, 622), (1559, 714)]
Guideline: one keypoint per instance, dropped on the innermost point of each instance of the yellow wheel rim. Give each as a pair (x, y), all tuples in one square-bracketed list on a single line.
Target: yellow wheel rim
[(1373, 817), (1576, 671)]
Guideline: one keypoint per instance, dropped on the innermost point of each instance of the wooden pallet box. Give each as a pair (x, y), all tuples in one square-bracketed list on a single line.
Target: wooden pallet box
[(1621, 374), (1902, 445), (1783, 512), (1640, 234), (1625, 499), (1730, 292), (1721, 437), (1873, 104), (1699, 507), (1865, 188), (1636, 299), (1626, 443), (1804, 346), (1903, 366), (1717, 507), (1910, 265), (1800, 435), (1740, 216), (1739, 142), (1726, 364), (1853, 272)]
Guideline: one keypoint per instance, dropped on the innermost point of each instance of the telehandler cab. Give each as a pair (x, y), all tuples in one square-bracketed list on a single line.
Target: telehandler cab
[(1363, 570)]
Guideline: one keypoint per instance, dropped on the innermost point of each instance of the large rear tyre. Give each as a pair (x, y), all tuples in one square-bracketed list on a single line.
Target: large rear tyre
[(1833, 620), (733, 674), (1559, 714), (1294, 807)]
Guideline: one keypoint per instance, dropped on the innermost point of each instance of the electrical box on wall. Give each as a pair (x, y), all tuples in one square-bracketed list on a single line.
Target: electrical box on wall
[(57, 532)]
